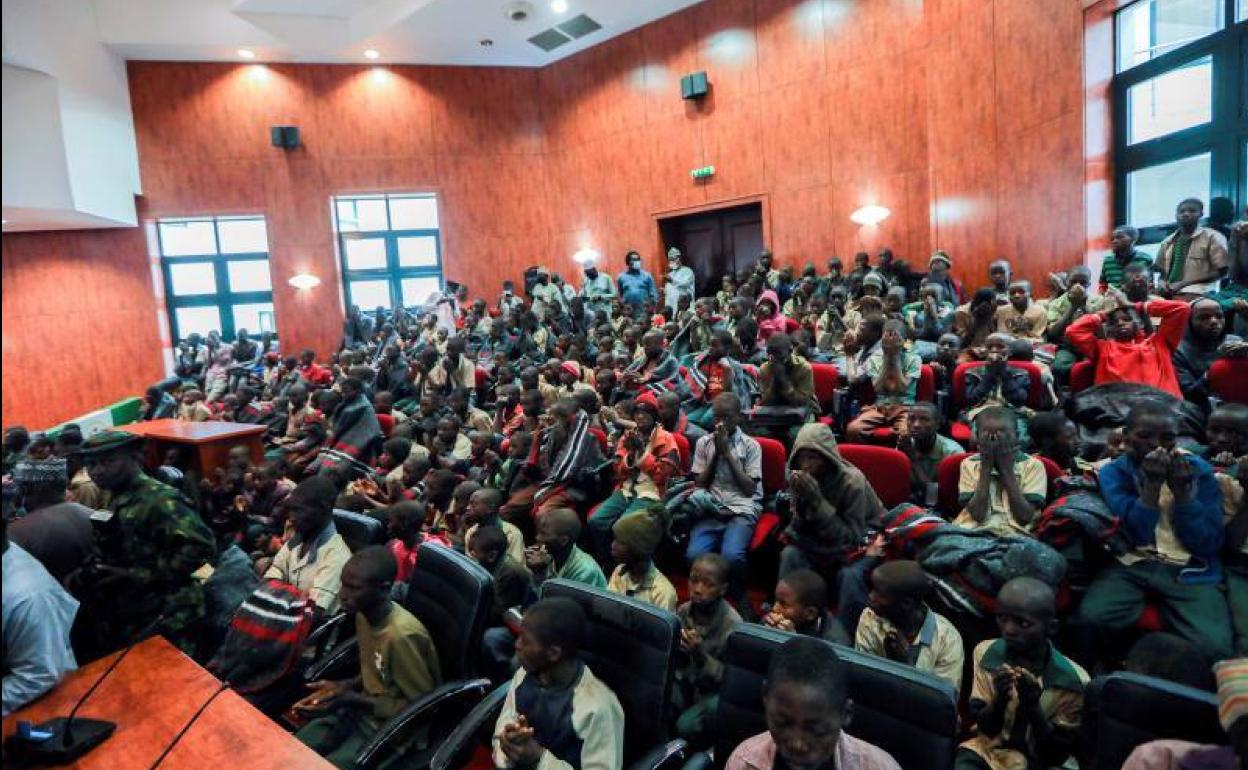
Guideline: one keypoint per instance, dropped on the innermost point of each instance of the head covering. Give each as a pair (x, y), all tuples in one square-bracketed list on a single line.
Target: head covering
[(647, 401), (315, 491), (769, 296), (572, 368), (873, 279), (939, 256), (543, 270), (641, 531), (1232, 677), (819, 438), (108, 441), (674, 253), (41, 472)]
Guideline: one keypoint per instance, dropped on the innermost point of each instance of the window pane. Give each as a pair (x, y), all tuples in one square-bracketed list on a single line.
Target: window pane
[(1152, 193), (417, 290), (414, 213), (255, 318), (180, 239), (197, 320), (361, 214), (195, 278), (243, 236), (1242, 13), (1181, 98), (370, 294), (1150, 28), (418, 251), (365, 253), (249, 275)]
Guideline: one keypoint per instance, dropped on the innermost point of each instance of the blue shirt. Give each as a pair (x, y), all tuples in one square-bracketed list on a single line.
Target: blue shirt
[(636, 288), (1197, 523), (38, 614)]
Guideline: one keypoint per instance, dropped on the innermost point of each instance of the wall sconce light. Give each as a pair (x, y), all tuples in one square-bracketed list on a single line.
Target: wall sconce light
[(585, 256), (304, 281), (870, 215)]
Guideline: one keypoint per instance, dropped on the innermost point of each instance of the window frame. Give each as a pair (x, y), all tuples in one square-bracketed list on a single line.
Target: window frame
[(1223, 137), (393, 273), (224, 298)]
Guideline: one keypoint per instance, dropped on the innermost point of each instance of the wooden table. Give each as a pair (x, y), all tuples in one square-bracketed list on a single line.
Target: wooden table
[(209, 442), (151, 696)]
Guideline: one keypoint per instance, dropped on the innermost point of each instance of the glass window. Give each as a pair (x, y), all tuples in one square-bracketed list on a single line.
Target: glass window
[(1179, 99), (243, 236), (213, 264), (249, 275), (1153, 192), (180, 238), (255, 318), (355, 214), (201, 320), (418, 251), (365, 253), (370, 294), (390, 248), (414, 213), (192, 279), (1241, 13), (417, 290), (1151, 28)]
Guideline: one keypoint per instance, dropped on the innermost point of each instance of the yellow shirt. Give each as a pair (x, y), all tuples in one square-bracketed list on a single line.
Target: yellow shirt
[(654, 588), (937, 649), (1031, 480)]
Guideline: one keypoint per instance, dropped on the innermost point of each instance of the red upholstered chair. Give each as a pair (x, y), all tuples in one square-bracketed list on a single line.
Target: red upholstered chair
[(1082, 375), (774, 462), (791, 325), (887, 470), (601, 435), (947, 484), (682, 447), (826, 379), (482, 377), (386, 421), (1052, 472), (1035, 397), (926, 391), (1228, 380)]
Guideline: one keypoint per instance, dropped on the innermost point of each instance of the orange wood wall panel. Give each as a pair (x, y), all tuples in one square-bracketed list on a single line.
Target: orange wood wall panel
[(965, 117)]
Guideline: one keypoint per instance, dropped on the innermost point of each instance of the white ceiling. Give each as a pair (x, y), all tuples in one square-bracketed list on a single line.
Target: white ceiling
[(403, 31)]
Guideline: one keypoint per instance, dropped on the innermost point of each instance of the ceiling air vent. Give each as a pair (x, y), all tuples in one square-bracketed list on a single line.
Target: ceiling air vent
[(579, 27), (550, 39)]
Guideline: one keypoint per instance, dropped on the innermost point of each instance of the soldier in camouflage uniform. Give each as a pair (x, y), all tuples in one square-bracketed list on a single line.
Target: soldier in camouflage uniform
[(148, 551)]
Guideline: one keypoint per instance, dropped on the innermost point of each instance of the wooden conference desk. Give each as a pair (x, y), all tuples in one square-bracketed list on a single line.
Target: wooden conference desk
[(209, 442), (151, 696)]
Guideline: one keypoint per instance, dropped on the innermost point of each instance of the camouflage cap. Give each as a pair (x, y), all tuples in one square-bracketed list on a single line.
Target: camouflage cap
[(109, 441)]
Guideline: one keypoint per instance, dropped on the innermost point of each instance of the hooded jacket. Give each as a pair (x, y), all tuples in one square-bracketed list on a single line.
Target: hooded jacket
[(1193, 357), (773, 325), (828, 533)]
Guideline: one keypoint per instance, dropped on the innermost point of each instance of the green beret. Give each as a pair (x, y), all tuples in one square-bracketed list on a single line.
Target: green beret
[(109, 441)]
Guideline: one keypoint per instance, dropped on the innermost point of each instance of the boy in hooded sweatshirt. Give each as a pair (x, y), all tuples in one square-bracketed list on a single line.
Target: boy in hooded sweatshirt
[(767, 313)]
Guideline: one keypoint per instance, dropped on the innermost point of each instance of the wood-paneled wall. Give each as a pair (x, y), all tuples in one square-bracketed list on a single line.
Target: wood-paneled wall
[(964, 117)]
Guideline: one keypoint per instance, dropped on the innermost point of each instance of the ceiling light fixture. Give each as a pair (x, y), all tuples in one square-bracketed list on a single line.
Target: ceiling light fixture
[(870, 215), (559, 6), (372, 54), (304, 281), (246, 53)]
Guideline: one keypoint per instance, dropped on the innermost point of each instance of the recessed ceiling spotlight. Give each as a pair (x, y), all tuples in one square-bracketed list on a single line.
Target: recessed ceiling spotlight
[(246, 53), (486, 42), (558, 6), (372, 54)]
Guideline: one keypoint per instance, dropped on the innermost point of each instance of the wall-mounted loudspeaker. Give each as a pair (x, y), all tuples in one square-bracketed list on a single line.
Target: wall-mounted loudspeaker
[(286, 137), (694, 86)]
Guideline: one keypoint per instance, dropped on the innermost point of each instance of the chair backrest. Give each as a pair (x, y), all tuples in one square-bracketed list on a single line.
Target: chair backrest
[(1052, 472), (1228, 380), (887, 470), (774, 460), (1035, 395), (927, 384), (358, 529), (682, 448), (1125, 710), (1082, 374), (452, 596), (826, 379), (947, 482), (601, 437), (920, 736), (631, 647)]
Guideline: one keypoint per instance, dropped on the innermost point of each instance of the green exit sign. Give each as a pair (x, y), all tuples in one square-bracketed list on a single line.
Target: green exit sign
[(703, 173)]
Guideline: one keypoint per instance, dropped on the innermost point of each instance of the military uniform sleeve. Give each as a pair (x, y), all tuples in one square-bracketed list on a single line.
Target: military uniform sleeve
[(181, 540)]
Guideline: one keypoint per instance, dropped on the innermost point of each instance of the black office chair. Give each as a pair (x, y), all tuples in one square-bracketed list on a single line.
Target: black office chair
[(911, 715), (451, 595), (1124, 710), (631, 646), (359, 530)]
